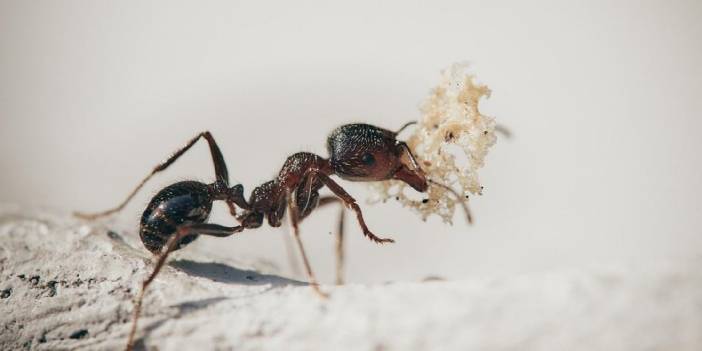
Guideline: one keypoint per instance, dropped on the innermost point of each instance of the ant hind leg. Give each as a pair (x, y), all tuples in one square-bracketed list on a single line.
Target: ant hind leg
[(217, 159), (171, 244)]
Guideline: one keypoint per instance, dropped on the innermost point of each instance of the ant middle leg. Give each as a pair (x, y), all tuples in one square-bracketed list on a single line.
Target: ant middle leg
[(339, 236), (310, 200), (217, 158), (339, 245), (294, 226), (183, 231)]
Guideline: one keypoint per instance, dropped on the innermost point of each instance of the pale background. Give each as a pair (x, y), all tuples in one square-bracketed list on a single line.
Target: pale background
[(603, 99)]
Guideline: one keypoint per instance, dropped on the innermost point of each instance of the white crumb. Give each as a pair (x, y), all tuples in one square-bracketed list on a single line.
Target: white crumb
[(451, 123)]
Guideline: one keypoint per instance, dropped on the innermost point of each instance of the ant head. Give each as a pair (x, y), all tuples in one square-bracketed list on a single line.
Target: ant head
[(362, 152)]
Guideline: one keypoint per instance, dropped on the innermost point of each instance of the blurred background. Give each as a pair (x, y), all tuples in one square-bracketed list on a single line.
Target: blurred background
[(603, 99)]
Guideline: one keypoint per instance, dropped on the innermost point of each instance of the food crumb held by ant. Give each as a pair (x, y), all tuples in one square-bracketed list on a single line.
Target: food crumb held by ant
[(451, 125)]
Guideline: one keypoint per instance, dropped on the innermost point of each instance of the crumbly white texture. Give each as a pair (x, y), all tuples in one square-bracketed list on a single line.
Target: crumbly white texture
[(450, 121), (68, 285)]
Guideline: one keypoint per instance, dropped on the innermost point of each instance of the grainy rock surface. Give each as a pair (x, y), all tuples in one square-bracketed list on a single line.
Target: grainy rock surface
[(65, 284)]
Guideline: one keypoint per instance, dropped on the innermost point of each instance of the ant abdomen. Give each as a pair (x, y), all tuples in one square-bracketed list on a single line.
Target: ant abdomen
[(178, 204)]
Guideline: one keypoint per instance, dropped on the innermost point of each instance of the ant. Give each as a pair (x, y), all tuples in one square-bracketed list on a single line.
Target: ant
[(178, 214)]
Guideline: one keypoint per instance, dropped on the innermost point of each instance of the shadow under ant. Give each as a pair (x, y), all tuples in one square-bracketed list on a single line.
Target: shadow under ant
[(187, 307), (223, 273)]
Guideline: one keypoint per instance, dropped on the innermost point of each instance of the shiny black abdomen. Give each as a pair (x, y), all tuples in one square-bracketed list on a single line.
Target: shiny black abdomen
[(180, 203)]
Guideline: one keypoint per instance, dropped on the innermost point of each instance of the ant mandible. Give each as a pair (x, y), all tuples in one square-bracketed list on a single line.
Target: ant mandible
[(178, 213)]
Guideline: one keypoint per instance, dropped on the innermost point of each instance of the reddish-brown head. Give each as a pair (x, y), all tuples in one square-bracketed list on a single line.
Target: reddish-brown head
[(362, 152)]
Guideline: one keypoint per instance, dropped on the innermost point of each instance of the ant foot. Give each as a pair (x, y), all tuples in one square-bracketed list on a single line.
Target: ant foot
[(319, 292), (378, 240)]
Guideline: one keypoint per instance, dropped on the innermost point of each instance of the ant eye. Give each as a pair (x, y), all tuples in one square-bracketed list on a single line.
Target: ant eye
[(368, 159)]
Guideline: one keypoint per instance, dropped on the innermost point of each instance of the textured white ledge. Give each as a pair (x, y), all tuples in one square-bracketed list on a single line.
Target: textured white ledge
[(68, 285)]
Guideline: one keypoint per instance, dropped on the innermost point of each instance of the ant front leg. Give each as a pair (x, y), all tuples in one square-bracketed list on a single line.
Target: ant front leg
[(351, 203), (183, 231), (217, 158), (294, 226)]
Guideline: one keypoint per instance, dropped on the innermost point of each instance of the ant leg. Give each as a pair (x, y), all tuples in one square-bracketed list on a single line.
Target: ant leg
[(232, 208), (459, 199), (290, 253), (339, 237), (340, 248), (200, 228), (217, 158), (339, 240), (310, 179), (307, 192), (294, 221), (350, 202)]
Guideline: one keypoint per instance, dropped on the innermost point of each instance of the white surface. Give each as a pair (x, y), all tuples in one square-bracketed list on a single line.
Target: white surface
[(602, 96), (221, 304)]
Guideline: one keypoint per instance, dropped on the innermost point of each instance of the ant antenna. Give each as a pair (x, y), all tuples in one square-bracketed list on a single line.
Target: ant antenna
[(405, 126), (460, 199)]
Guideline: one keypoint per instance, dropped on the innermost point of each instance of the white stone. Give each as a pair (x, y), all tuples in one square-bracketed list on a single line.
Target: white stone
[(69, 286)]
